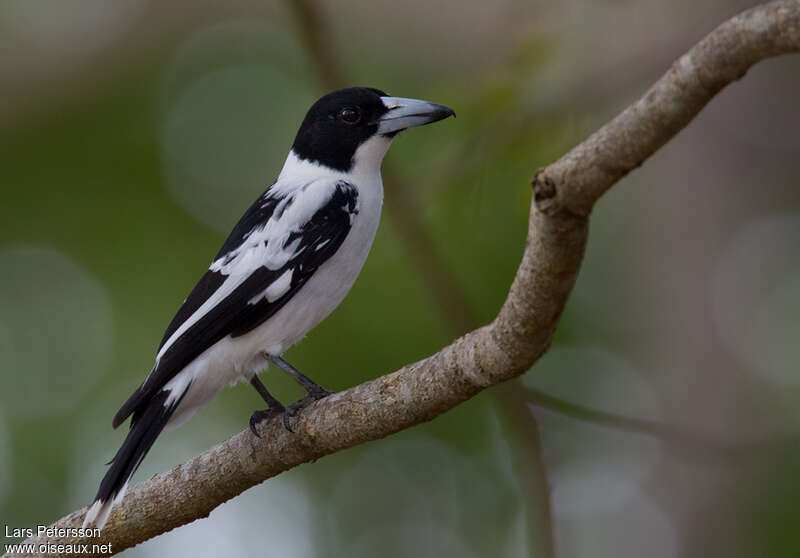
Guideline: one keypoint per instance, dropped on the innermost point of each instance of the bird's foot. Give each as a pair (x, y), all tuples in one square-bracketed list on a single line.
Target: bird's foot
[(317, 393), (265, 414), (314, 394)]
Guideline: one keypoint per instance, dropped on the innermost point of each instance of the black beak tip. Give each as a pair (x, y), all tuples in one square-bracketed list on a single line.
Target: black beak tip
[(443, 112)]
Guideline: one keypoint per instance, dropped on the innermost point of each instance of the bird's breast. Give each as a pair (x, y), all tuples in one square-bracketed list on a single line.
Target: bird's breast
[(328, 286)]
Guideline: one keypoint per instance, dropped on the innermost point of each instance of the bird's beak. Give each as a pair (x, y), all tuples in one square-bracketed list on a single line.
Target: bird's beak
[(405, 113)]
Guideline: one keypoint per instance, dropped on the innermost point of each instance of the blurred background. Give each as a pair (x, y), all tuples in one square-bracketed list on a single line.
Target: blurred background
[(664, 420)]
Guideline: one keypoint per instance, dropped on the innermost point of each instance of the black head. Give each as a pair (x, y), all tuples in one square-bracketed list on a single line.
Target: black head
[(338, 123)]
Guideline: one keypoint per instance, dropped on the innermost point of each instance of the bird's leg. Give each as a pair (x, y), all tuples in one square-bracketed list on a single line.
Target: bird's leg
[(274, 407), (314, 392)]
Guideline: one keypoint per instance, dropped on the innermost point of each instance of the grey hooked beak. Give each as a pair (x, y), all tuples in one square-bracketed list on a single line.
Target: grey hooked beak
[(405, 113)]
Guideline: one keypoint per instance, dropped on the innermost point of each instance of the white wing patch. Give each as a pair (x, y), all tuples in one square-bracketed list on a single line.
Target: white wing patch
[(176, 387), (277, 289), (227, 287), (266, 245)]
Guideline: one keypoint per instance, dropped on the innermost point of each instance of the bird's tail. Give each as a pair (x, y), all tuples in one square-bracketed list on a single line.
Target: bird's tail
[(146, 424)]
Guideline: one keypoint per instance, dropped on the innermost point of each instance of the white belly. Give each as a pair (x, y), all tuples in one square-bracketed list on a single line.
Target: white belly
[(238, 358)]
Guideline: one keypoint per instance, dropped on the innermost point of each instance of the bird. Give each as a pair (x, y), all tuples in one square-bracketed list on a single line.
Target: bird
[(286, 265)]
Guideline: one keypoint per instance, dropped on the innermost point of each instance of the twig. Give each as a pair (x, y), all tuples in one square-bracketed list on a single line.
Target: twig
[(688, 444), (316, 37)]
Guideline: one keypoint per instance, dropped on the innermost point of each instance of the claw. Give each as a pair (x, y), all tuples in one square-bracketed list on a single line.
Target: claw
[(287, 412), (292, 410), (297, 406), (253, 425), (259, 416), (319, 393), (286, 424)]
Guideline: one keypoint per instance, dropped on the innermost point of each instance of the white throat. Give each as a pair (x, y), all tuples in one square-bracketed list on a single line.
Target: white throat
[(369, 156), (366, 165)]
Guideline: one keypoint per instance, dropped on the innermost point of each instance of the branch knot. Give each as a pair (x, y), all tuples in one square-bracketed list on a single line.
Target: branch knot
[(544, 192)]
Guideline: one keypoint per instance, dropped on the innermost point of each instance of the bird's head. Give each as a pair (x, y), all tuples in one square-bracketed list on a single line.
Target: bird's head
[(343, 121)]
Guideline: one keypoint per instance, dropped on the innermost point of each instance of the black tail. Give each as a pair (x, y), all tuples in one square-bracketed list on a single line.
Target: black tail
[(147, 423)]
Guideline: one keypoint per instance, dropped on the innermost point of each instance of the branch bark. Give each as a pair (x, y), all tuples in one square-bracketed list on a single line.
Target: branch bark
[(402, 209), (564, 194)]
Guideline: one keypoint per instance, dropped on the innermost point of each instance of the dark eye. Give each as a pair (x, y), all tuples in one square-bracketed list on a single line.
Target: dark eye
[(349, 115)]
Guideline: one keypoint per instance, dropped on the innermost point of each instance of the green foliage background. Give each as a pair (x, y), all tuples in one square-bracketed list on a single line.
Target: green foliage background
[(123, 162)]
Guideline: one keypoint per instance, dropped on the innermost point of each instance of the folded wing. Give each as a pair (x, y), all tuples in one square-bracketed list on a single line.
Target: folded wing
[(280, 242)]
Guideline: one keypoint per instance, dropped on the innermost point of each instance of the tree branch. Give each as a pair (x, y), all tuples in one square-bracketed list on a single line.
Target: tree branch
[(402, 207), (564, 194)]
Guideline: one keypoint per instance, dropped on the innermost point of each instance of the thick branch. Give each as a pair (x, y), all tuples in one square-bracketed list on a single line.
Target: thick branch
[(564, 194)]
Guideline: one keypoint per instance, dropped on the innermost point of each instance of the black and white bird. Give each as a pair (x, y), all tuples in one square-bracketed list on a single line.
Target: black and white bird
[(287, 264)]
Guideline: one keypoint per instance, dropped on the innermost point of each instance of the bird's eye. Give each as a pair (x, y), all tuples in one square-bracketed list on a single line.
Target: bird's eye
[(349, 115)]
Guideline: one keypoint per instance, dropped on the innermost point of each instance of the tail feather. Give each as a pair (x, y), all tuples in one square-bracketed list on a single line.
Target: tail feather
[(146, 424)]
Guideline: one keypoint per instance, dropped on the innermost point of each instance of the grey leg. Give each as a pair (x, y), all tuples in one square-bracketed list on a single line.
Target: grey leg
[(274, 407), (314, 391)]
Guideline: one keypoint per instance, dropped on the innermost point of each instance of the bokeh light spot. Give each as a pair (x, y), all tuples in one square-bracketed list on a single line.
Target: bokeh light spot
[(640, 528), (593, 468), (58, 323), (227, 125), (755, 290)]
